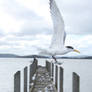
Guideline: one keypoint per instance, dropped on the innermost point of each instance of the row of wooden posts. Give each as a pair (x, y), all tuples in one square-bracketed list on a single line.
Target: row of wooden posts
[(17, 77), (57, 74)]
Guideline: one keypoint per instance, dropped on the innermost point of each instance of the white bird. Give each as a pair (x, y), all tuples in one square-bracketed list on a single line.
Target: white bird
[(57, 46)]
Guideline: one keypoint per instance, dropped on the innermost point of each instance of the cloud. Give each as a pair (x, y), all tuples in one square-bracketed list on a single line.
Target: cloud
[(18, 11), (34, 28), (20, 20), (82, 43), (14, 16), (77, 15), (28, 44), (24, 44), (27, 24)]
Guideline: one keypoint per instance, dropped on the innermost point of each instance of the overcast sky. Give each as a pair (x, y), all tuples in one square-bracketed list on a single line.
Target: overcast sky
[(26, 24)]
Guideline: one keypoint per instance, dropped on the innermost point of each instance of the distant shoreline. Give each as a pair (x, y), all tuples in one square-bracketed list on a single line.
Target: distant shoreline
[(38, 56)]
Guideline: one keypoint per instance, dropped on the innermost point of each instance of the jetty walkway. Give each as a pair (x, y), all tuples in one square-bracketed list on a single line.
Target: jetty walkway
[(43, 82), (43, 79)]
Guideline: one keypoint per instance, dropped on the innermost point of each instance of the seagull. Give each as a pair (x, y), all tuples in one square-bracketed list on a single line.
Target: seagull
[(57, 46)]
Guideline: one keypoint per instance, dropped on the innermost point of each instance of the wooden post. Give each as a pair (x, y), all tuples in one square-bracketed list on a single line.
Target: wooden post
[(17, 82), (61, 80), (49, 68), (34, 65), (33, 68), (76, 82), (56, 76), (31, 73), (36, 62), (25, 79), (47, 65), (52, 69)]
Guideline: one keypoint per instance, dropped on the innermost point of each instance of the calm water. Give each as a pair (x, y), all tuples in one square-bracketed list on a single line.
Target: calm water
[(8, 67), (83, 67)]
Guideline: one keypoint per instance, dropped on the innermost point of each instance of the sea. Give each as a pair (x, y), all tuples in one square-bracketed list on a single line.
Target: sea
[(83, 67)]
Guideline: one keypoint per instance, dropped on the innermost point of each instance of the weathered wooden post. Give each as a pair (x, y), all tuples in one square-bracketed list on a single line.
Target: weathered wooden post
[(46, 64), (17, 82), (52, 69), (48, 67), (56, 76), (33, 68), (25, 79), (31, 72), (61, 79), (34, 65), (76, 82)]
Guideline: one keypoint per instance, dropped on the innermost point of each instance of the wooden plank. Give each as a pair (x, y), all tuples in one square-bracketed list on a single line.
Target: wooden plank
[(76, 82), (25, 79), (43, 81), (17, 82)]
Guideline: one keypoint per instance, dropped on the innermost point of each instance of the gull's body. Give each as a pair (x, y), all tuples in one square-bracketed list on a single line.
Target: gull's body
[(57, 46)]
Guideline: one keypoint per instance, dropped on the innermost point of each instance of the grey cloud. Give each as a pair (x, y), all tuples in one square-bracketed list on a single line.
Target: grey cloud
[(16, 37), (35, 31), (8, 43), (77, 16), (2, 33), (34, 28), (19, 11)]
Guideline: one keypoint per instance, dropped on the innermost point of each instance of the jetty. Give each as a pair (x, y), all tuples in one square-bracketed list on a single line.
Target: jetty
[(48, 78)]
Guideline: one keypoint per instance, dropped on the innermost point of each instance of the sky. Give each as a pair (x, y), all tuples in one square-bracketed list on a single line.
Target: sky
[(26, 25)]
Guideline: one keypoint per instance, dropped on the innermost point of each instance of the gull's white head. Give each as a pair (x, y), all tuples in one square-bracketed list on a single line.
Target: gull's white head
[(70, 49)]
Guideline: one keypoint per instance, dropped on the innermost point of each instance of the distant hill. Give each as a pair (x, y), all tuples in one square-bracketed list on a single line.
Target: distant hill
[(8, 56), (38, 56), (76, 57), (62, 57), (18, 56), (33, 56)]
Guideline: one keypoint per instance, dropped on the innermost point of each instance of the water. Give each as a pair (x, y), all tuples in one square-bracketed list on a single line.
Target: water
[(9, 66), (83, 67)]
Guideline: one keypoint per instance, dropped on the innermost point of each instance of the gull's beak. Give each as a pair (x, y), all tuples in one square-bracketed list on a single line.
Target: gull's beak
[(76, 51)]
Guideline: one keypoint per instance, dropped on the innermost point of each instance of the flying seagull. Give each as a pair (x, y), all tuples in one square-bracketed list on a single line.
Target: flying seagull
[(57, 46)]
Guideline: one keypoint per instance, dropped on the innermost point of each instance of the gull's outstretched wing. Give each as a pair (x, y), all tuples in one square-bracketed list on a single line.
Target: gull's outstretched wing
[(59, 34)]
